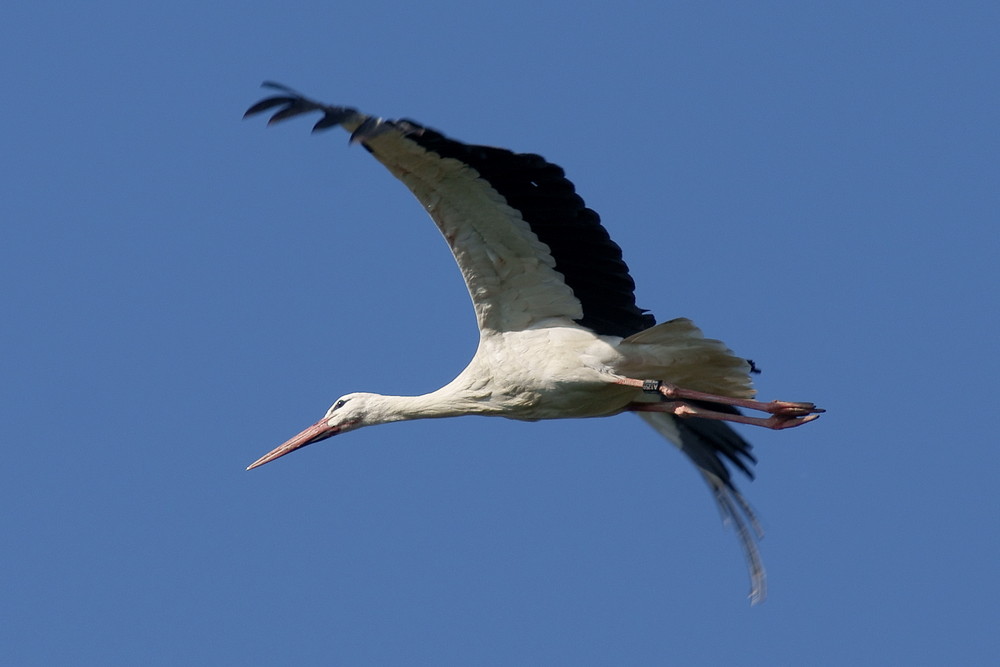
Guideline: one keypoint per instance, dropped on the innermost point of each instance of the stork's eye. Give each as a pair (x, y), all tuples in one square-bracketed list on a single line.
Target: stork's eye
[(340, 403)]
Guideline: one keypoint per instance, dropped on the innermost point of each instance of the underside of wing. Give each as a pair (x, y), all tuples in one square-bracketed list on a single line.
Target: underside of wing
[(529, 249), (709, 444)]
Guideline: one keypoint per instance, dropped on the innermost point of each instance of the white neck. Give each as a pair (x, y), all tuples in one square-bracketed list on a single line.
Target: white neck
[(445, 402)]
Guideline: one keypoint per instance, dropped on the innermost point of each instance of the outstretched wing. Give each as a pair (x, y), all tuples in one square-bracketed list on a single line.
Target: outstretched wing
[(527, 246)]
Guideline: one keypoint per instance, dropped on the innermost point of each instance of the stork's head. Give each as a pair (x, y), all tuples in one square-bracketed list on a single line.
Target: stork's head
[(347, 413)]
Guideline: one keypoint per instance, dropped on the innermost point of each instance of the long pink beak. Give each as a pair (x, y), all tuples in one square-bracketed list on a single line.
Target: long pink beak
[(315, 433)]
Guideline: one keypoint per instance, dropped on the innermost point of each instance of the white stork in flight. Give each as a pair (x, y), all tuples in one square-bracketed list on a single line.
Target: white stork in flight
[(560, 334)]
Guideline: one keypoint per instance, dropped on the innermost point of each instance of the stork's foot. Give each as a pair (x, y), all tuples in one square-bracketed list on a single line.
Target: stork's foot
[(784, 414)]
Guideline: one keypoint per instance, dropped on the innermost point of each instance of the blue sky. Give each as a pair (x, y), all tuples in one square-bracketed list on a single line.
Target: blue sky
[(814, 183)]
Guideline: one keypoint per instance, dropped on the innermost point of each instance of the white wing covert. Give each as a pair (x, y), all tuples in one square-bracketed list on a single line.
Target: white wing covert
[(526, 244)]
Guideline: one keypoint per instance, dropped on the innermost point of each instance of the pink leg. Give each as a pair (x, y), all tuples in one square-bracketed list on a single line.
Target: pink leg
[(683, 410), (784, 414)]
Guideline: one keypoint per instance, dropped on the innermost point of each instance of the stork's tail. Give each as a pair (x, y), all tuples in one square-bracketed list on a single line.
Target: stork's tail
[(678, 352)]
